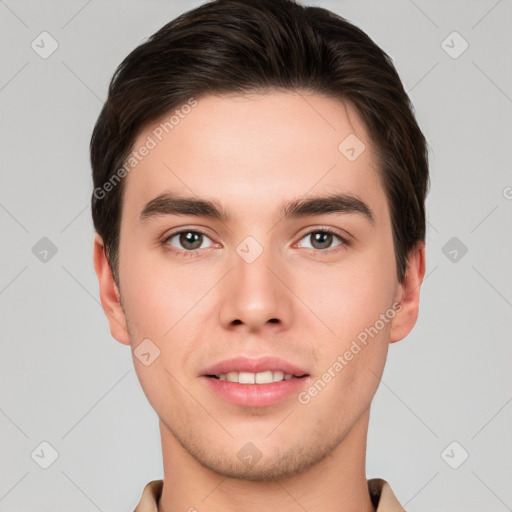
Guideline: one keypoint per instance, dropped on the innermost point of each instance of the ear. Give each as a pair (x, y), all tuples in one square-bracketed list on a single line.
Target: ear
[(408, 294), (109, 293)]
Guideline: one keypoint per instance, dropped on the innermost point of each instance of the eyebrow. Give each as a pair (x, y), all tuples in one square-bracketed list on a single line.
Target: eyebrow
[(173, 204)]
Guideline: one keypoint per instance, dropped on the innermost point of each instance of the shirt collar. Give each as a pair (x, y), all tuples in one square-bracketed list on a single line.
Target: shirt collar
[(380, 492)]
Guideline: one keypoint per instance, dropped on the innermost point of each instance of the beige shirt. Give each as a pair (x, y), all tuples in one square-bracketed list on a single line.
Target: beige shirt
[(381, 494)]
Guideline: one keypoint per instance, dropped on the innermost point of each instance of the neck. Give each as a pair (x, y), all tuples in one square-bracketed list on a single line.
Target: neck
[(337, 483)]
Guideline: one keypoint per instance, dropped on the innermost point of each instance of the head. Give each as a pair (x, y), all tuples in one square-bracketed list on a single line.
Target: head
[(218, 130)]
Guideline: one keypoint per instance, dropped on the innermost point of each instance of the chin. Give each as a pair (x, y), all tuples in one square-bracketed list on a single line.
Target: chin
[(252, 464)]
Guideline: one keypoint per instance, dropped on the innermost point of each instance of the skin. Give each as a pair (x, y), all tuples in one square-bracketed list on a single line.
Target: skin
[(251, 154)]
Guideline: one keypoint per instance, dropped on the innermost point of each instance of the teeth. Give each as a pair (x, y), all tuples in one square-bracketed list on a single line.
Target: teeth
[(255, 378), (246, 378), (266, 377)]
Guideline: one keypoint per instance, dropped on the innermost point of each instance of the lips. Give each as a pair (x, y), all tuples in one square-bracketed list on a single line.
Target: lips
[(255, 382)]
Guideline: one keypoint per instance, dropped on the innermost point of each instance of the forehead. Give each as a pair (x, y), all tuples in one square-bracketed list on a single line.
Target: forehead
[(255, 149)]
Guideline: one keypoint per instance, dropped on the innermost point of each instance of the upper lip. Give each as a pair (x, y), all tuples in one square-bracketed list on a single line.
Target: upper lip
[(254, 365)]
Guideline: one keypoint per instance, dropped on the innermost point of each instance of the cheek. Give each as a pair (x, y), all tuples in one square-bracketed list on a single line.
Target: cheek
[(345, 300), (158, 294), (350, 305), (348, 375), (167, 305)]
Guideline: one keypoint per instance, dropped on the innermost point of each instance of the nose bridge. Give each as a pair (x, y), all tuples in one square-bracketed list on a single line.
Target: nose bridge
[(255, 295)]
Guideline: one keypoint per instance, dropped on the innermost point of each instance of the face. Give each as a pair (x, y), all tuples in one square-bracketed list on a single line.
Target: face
[(279, 267)]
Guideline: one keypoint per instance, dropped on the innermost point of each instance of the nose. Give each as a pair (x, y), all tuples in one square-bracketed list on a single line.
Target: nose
[(255, 295)]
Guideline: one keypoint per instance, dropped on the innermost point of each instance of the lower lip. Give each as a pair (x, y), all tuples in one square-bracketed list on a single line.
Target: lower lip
[(256, 395)]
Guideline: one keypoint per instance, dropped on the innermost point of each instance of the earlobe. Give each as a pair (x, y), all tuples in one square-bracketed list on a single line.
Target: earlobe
[(409, 294), (109, 293)]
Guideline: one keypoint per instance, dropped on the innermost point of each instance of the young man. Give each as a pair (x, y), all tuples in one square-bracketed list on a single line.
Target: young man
[(259, 196)]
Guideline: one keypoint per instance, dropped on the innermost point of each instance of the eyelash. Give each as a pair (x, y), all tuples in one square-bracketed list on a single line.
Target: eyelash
[(192, 253)]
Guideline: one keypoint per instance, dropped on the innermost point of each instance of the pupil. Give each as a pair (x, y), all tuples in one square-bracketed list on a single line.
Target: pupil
[(324, 239), (191, 239)]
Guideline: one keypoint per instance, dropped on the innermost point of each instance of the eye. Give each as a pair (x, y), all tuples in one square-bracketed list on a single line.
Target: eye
[(187, 240), (322, 239)]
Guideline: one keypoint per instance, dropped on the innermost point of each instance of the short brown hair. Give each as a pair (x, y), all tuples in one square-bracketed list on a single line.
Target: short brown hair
[(241, 46)]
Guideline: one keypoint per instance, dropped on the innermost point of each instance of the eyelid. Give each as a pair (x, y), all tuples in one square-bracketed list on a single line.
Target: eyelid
[(179, 231)]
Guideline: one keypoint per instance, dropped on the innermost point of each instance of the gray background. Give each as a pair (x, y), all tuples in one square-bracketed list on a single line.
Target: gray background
[(66, 382)]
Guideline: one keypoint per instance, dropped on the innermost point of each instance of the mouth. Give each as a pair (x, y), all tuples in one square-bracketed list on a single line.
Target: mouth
[(265, 377), (255, 382)]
